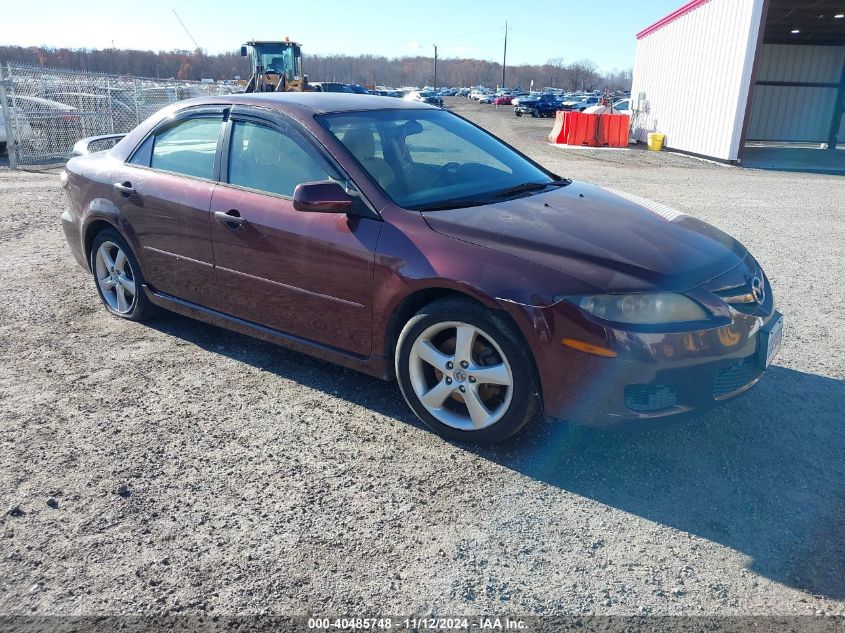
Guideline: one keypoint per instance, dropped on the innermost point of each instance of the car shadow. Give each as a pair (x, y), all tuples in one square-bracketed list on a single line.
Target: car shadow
[(763, 475)]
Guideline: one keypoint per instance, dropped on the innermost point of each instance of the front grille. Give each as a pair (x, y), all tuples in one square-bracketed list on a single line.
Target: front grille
[(739, 293), (740, 298), (650, 398), (735, 377)]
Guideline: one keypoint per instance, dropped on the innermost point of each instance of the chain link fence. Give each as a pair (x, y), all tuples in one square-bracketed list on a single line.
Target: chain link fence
[(46, 111)]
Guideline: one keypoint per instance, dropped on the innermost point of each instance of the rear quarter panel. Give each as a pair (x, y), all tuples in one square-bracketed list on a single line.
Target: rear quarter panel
[(89, 194)]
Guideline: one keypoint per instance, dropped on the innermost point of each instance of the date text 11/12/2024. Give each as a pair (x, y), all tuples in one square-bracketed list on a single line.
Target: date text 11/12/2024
[(418, 624)]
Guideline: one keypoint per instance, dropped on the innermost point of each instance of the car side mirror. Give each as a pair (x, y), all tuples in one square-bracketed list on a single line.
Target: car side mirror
[(324, 196), (243, 51)]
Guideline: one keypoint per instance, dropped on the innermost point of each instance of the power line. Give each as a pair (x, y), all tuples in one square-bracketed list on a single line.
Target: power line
[(197, 46)]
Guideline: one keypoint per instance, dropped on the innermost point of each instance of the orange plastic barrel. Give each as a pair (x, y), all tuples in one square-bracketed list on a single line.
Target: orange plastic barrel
[(556, 135)]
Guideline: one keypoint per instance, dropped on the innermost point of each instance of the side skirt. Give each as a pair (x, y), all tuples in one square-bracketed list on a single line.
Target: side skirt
[(372, 365)]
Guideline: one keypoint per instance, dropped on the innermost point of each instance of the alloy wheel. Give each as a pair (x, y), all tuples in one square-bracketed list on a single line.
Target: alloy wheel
[(460, 375), (115, 277)]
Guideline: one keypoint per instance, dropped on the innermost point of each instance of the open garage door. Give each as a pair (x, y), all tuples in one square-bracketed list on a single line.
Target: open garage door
[(797, 106), (797, 93)]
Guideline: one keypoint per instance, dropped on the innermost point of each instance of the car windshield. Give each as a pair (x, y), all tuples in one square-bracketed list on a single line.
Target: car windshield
[(432, 159)]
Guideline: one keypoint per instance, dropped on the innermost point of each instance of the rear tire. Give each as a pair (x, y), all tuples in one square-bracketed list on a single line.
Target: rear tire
[(464, 373), (118, 277)]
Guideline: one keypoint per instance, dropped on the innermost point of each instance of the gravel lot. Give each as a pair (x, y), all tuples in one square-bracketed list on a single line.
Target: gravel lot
[(176, 467)]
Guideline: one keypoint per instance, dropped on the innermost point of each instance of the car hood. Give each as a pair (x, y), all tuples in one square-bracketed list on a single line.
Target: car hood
[(613, 241)]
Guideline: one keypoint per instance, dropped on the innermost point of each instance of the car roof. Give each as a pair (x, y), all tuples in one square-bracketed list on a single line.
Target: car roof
[(316, 102), (56, 105)]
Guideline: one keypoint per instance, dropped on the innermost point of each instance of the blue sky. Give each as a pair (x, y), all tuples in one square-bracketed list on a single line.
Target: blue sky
[(602, 30)]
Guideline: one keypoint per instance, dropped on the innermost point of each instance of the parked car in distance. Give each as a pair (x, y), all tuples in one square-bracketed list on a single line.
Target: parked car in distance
[(406, 242), (620, 107), (358, 90), (586, 103), (97, 112), (19, 121), (623, 107), (502, 100), (544, 105), (150, 100), (570, 101), (424, 96), (53, 126), (330, 86), (3, 137)]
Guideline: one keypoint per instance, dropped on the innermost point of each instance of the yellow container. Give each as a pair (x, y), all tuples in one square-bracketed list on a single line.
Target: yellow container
[(655, 141)]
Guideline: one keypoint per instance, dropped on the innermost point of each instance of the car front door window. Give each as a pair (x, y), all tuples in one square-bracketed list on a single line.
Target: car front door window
[(268, 160)]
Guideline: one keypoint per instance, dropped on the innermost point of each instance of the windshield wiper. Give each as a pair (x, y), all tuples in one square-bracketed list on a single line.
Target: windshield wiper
[(504, 193), (529, 186), (450, 204)]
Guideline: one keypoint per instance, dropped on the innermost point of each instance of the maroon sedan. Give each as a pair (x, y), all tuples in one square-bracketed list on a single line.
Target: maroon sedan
[(403, 241)]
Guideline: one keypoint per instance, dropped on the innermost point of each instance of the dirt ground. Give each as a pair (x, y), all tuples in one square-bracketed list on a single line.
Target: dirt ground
[(176, 467)]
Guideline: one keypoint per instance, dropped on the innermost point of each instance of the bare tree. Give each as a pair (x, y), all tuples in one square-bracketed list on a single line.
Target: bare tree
[(582, 75), (362, 69), (554, 69)]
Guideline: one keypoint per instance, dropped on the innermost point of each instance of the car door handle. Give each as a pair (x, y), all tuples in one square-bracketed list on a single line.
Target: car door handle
[(231, 218), (124, 188)]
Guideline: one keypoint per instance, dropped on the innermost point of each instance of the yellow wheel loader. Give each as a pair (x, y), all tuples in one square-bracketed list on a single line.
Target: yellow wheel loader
[(276, 67)]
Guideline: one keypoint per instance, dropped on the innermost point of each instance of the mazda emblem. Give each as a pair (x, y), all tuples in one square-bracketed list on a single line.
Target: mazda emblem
[(758, 289)]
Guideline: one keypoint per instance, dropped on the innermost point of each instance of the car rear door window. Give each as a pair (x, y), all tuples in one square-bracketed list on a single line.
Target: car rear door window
[(188, 148), (270, 160)]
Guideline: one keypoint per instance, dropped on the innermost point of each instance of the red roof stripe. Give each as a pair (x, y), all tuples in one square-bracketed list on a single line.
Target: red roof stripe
[(689, 6)]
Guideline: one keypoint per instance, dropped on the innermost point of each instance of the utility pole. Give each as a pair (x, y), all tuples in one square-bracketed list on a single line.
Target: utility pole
[(505, 55), (435, 66)]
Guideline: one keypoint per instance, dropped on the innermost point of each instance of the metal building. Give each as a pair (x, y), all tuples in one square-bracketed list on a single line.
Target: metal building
[(734, 80)]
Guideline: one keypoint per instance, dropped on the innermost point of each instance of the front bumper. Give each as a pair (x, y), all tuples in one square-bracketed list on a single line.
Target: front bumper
[(653, 375)]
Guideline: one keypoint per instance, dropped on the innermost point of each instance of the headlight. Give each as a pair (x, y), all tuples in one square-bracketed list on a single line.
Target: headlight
[(645, 308)]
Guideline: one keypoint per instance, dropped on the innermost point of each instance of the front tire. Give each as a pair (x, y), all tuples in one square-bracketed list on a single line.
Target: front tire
[(118, 277), (463, 372)]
